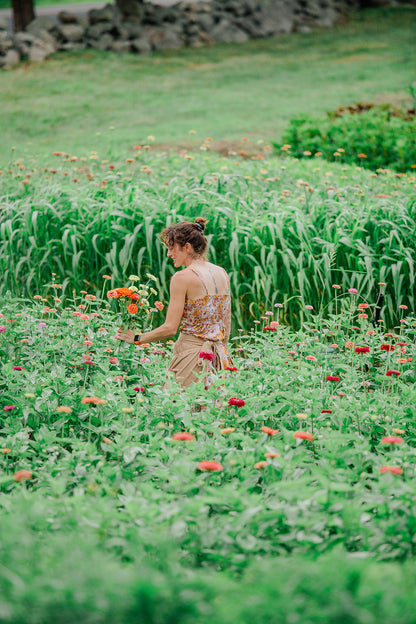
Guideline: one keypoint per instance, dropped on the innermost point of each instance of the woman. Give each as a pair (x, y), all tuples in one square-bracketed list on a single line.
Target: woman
[(199, 300)]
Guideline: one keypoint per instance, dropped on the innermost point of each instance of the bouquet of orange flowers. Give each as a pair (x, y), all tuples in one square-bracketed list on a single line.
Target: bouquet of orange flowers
[(135, 303)]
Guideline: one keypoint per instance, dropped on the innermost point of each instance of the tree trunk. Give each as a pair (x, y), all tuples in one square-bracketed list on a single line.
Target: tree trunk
[(23, 13)]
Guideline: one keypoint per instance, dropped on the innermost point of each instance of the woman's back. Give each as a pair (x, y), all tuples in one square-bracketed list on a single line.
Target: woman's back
[(205, 278)]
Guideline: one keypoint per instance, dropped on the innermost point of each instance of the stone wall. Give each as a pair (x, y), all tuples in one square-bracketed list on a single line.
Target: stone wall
[(143, 27)]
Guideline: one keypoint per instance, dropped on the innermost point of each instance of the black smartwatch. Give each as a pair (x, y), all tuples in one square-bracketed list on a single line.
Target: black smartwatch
[(136, 339)]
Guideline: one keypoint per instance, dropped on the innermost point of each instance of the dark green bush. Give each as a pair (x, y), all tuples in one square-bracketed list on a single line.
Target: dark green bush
[(374, 137)]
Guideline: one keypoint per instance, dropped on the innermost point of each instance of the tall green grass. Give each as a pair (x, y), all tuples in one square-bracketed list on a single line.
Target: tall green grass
[(281, 228)]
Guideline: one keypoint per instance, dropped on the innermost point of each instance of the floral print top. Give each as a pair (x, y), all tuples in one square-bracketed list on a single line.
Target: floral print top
[(207, 317)]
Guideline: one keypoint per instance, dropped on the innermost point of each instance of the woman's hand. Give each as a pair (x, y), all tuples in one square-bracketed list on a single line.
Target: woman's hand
[(127, 336)]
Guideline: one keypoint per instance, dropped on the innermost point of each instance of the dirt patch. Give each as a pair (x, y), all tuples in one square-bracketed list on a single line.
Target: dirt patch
[(247, 147)]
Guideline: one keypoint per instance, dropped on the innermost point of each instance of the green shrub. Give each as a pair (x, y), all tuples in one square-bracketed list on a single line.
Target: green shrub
[(371, 136)]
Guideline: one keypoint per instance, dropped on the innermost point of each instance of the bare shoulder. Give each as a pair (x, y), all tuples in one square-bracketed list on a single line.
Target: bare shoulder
[(180, 279), (215, 267)]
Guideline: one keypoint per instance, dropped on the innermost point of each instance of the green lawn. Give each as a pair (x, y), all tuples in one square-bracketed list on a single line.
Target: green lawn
[(101, 101)]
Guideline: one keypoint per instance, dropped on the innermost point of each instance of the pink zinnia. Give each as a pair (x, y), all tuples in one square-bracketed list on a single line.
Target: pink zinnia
[(392, 440), (393, 469), (22, 474), (209, 466), (332, 378), (138, 389), (183, 436), (353, 291), (18, 368), (303, 435), (9, 408), (2, 329)]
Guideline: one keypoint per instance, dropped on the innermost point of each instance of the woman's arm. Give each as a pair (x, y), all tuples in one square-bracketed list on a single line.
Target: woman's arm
[(178, 286)]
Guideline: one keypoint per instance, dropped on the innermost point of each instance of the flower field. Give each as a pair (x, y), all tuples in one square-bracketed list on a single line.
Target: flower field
[(305, 453), (287, 487)]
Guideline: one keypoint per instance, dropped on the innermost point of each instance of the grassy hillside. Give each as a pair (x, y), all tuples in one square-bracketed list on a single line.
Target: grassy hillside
[(104, 102)]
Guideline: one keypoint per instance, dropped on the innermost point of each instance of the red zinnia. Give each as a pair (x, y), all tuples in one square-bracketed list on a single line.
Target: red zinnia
[(303, 435), (393, 469), (332, 378), (392, 440), (206, 355), (362, 350), (390, 373), (209, 466), (184, 436), (236, 402), (231, 368), (326, 412), (269, 431), (387, 347)]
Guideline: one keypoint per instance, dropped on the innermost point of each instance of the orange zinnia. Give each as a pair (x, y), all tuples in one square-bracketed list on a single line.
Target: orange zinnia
[(94, 400), (132, 308), (124, 292), (260, 464), (303, 435), (269, 431)]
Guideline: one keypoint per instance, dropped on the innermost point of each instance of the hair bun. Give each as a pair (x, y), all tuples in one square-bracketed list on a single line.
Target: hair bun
[(200, 223)]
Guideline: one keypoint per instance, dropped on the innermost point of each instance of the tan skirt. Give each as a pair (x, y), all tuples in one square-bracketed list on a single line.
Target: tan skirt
[(187, 364)]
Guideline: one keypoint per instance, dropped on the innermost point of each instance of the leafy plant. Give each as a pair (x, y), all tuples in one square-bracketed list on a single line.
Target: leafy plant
[(374, 137)]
